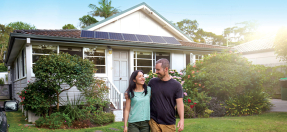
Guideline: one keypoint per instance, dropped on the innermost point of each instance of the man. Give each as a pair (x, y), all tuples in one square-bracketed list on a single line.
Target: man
[(166, 94)]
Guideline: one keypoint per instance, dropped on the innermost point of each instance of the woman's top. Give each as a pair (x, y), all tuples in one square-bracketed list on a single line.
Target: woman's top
[(140, 106)]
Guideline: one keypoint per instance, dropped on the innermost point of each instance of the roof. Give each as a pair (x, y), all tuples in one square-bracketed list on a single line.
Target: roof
[(257, 45), (134, 7), (77, 34)]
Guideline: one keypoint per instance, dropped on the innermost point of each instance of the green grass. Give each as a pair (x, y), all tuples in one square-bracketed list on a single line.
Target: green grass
[(267, 122)]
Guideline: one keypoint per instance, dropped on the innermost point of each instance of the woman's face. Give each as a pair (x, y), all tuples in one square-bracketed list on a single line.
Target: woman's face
[(140, 79)]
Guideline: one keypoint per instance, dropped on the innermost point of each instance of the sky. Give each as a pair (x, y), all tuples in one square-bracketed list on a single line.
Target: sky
[(212, 15)]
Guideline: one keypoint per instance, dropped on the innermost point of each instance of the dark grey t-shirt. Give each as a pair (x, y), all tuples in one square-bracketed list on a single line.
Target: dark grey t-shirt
[(163, 100)]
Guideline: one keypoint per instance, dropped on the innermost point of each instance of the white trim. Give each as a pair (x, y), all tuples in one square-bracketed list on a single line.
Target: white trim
[(152, 15)]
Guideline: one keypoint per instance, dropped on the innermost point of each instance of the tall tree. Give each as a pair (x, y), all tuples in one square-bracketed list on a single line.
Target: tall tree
[(87, 20), (21, 25), (105, 10), (69, 26), (189, 27), (280, 44), (4, 39)]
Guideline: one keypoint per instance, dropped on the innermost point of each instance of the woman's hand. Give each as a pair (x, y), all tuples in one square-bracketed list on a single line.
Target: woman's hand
[(126, 129)]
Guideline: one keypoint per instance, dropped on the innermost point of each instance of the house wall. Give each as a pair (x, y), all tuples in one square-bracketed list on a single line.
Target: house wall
[(137, 23), (264, 58), (178, 61)]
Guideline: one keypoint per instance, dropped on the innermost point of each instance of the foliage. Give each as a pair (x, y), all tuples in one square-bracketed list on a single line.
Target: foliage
[(188, 112), (217, 107), (207, 112), (87, 20), (248, 104), (21, 25), (243, 32), (6, 77), (4, 38), (37, 98), (103, 118), (3, 68), (98, 90), (280, 44), (2, 80), (105, 10), (190, 27), (69, 26), (72, 108), (55, 69), (55, 120)]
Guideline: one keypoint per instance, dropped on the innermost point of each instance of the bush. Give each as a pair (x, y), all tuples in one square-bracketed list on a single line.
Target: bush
[(55, 120), (188, 112), (37, 98), (248, 104), (3, 68), (101, 118), (72, 108), (217, 106), (2, 81)]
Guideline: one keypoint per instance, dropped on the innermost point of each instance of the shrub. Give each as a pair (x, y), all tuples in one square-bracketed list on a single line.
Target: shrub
[(2, 80), (72, 108), (217, 106), (37, 98), (55, 69), (101, 118), (188, 112), (55, 120), (248, 104)]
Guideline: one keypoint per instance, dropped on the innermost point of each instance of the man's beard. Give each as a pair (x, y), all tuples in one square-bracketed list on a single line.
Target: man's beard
[(161, 76)]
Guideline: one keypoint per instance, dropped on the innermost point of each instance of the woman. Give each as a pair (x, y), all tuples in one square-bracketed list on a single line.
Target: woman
[(137, 111)]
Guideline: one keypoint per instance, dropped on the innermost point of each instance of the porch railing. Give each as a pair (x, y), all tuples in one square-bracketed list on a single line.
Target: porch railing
[(115, 96)]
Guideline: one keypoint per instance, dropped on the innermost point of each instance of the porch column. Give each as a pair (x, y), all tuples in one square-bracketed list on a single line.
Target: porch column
[(28, 59), (109, 64)]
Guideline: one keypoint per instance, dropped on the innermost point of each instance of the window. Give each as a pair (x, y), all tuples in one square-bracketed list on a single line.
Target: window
[(198, 57), (146, 61), (72, 50), (97, 56), (39, 50), (23, 63)]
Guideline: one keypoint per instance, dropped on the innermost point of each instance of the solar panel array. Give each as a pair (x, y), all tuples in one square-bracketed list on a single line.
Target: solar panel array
[(129, 37)]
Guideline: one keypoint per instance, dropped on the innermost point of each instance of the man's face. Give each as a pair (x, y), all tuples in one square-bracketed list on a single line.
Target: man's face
[(160, 71)]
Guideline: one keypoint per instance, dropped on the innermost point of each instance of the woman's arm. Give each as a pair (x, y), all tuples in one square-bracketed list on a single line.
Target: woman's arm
[(126, 112)]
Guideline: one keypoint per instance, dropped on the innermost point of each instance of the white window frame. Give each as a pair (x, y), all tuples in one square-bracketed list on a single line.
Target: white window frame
[(105, 57), (152, 59), (197, 57)]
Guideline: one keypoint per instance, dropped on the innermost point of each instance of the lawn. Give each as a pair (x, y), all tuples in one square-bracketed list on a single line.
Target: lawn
[(275, 122)]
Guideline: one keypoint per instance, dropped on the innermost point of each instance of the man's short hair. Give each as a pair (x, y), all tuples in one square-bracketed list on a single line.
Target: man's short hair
[(164, 63)]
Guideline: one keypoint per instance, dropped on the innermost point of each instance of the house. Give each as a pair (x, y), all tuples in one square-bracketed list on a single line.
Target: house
[(130, 40), (260, 51)]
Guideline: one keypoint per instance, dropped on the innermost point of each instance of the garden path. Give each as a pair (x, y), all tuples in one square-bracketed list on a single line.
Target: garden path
[(279, 105)]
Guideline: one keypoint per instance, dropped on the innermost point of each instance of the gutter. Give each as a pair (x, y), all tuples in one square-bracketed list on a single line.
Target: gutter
[(101, 42)]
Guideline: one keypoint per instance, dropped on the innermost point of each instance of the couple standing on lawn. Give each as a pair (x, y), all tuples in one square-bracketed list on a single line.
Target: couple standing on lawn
[(152, 106)]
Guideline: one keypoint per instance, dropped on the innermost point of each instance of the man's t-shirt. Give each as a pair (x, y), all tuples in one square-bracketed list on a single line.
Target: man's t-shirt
[(163, 100)]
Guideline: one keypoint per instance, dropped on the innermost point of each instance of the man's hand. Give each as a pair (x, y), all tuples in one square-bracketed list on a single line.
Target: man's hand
[(180, 125), (126, 129)]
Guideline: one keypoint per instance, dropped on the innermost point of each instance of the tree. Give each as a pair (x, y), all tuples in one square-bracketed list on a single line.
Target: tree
[(105, 10), (4, 39), (189, 27), (69, 26), (280, 44), (57, 69), (87, 20), (21, 25)]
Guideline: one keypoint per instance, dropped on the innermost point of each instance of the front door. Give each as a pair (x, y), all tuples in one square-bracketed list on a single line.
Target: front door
[(120, 70)]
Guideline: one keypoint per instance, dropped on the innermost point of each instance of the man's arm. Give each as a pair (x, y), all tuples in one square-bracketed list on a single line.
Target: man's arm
[(180, 110)]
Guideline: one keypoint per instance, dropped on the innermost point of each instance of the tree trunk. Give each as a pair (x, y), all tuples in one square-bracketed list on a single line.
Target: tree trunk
[(58, 102)]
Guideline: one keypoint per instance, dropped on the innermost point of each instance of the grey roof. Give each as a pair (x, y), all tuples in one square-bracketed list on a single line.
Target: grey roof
[(257, 45)]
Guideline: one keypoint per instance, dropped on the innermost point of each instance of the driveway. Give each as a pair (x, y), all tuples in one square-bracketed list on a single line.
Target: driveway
[(279, 105)]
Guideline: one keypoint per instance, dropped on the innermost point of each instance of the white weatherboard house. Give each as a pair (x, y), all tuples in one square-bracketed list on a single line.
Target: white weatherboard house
[(130, 40), (260, 51)]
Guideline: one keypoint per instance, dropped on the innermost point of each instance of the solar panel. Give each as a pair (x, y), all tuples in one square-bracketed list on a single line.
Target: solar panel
[(130, 37), (88, 34), (116, 36), (144, 38), (102, 35), (170, 40), (157, 39)]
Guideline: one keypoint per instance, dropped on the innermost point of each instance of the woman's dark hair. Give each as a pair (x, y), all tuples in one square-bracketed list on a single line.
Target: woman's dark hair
[(132, 84)]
